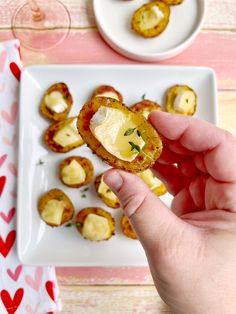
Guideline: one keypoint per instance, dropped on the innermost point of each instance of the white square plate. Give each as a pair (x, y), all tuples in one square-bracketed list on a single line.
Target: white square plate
[(39, 244)]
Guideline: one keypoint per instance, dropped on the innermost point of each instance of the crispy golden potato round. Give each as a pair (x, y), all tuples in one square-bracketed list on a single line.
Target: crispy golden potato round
[(82, 215), (71, 135), (104, 90), (146, 156), (50, 114), (106, 194), (68, 178), (151, 19), (127, 229), (145, 107), (62, 200), (181, 99), (172, 2)]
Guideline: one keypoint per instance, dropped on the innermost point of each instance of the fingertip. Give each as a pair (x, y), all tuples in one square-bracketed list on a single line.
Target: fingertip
[(113, 179)]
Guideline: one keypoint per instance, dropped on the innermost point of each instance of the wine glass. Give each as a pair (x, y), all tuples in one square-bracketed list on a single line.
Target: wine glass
[(41, 25)]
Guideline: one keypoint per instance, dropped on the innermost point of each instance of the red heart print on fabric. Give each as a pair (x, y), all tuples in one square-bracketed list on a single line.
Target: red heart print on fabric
[(16, 273), (2, 159), (10, 304), (15, 70), (5, 246), (10, 117), (50, 289), (3, 57), (7, 218), (35, 282), (3, 180)]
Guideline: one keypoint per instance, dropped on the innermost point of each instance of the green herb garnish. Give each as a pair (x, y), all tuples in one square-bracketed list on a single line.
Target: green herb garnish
[(78, 224), (187, 101), (68, 225), (65, 97), (40, 162), (84, 190), (83, 196), (60, 197), (139, 134), (143, 96), (129, 131), (134, 146), (108, 190)]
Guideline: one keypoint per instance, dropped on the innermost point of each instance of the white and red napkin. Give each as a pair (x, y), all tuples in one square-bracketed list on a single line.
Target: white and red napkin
[(23, 289)]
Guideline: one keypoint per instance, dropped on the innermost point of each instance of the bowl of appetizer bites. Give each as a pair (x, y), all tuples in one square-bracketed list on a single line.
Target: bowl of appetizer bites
[(149, 30)]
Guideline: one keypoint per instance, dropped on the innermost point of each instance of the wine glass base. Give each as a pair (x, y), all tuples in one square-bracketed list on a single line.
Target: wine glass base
[(45, 34)]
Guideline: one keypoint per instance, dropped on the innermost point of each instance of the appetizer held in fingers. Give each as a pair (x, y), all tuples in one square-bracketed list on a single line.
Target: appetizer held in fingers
[(122, 138)]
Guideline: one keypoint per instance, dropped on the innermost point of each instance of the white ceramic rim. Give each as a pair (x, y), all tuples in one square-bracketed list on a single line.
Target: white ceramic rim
[(139, 56)]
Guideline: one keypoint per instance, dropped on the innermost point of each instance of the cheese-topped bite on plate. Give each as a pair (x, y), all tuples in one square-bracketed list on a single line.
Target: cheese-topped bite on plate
[(63, 136), (155, 185), (127, 229), (181, 99), (95, 224), (107, 91), (151, 19), (55, 208), (105, 193), (56, 102), (122, 138), (145, 107), (76, 171)]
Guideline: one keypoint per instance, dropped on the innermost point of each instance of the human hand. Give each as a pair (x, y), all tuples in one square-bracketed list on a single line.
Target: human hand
[(191, 250)]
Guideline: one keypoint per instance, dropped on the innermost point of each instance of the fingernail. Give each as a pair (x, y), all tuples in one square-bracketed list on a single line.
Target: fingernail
[(113, 179)]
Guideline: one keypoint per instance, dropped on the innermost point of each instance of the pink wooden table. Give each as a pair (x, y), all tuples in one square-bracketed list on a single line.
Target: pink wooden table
[(131, 290)]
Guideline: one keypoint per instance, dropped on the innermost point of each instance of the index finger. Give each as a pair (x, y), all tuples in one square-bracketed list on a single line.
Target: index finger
[(218, 146)]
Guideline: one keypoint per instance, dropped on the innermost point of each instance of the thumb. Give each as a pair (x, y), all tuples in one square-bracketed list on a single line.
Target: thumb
[(153, 222)]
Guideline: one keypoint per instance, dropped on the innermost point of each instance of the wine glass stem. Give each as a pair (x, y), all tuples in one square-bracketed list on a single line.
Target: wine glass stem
[(37, 13)]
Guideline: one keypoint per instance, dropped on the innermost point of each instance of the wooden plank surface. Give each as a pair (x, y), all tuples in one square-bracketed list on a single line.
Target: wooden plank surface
[(112, 300), (131, 290)]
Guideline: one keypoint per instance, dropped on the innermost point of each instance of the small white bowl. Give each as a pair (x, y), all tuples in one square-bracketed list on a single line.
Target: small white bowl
[(113, 18)]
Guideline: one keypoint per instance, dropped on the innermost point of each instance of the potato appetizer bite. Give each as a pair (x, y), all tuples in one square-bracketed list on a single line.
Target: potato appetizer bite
[(122, 138), (76, 171), (181, 99), (55, 208), (56, 102), (63, 136), (173, 2), (155, 185), (105, 193), (95, 224), (126, 228), (145, 107), (151, 19), (107, 91)]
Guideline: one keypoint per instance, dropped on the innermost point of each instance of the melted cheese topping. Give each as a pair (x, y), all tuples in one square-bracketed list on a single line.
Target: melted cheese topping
[(55, 102), (73, 173), (68, 135), (53, 211), (106, 191), (108, 125), (109, 94), (148, 177), (151, 17), (96, 228), (146, 113), (184, 102)]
